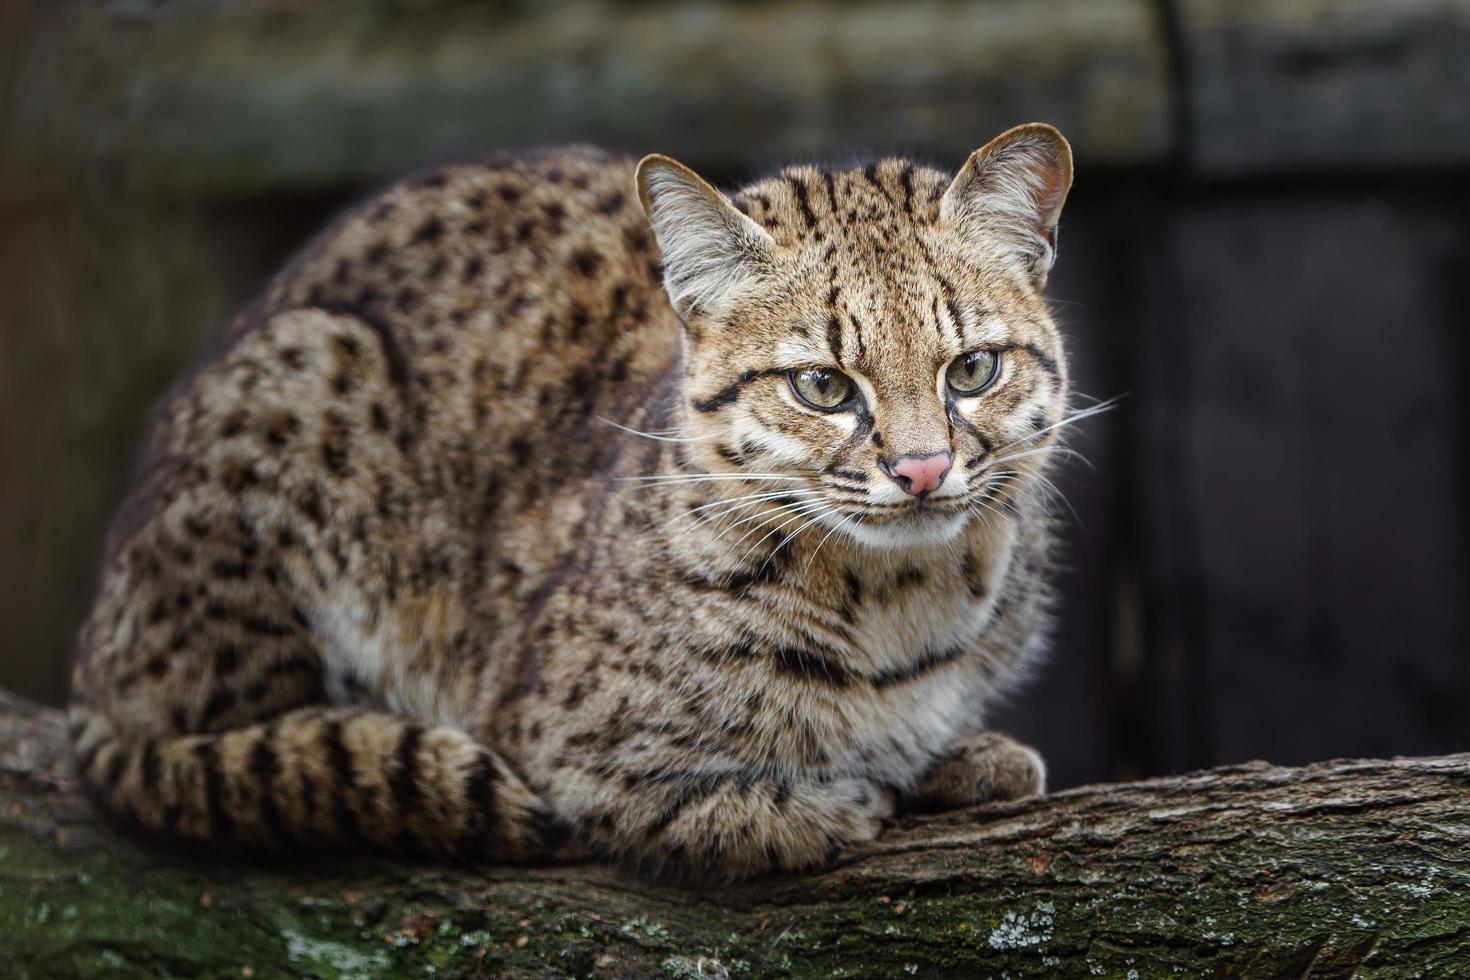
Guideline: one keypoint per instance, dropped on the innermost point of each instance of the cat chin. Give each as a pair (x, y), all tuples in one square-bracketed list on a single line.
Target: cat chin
[(919, 532)]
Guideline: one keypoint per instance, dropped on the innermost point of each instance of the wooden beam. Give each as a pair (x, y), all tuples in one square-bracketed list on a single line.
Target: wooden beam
[(1326, 86), (204, 99)]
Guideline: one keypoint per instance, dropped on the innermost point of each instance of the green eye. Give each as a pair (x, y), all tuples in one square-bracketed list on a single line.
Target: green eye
[(970, 374), (822, 387)]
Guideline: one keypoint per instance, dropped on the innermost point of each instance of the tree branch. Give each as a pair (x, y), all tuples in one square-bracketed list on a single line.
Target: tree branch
[(1250, 870)]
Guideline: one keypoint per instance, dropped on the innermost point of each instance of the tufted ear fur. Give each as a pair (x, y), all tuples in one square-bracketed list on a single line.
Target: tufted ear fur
[(710, 250), (1009, 194)]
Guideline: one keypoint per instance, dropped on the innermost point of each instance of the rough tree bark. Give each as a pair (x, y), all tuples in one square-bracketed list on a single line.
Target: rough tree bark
[(1340, 868)]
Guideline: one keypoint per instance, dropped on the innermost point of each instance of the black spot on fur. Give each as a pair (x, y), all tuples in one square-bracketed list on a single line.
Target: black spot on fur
[(811, 666), (226, 659), (586, 262), (225, 569), (221, 701)]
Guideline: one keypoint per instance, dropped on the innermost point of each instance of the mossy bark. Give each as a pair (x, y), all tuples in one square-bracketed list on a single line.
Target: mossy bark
[(1340, 868)]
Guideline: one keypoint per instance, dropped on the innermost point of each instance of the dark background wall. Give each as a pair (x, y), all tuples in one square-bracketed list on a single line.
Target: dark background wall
[(1267, 252)]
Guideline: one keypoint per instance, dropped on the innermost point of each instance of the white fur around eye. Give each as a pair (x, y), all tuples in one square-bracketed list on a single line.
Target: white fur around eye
[(778, 447)]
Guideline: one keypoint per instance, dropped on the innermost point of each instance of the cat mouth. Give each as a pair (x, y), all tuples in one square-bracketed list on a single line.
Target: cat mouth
[(919, 513), (914, 526)]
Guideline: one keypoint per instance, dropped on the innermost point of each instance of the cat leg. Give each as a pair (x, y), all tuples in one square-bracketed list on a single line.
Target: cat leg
[(200, 701), (729, 826), (979, 769)]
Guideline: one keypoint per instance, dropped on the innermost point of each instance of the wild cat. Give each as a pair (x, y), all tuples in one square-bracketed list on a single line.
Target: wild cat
[(519, 522)]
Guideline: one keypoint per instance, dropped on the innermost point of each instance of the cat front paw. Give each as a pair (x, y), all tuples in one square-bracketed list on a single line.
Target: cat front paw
[(827, 820), (823, 821), (981, 768), (738, 831)]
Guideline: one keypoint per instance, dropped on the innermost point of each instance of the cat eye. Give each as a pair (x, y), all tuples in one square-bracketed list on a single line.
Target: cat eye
[(822, 388), (970, 374)]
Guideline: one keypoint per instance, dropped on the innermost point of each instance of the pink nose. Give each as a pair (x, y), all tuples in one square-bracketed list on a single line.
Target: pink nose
[(920, 474)]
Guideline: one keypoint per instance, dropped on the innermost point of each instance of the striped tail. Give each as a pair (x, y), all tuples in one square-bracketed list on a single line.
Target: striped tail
[(319, 778)]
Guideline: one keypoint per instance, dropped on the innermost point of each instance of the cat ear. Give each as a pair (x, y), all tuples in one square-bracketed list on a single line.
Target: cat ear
[(1009, 194), (710, 250)]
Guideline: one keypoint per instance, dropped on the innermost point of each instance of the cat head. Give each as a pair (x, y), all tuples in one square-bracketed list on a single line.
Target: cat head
[(876, 337)]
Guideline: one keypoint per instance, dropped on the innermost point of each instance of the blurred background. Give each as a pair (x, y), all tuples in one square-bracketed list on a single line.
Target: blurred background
[(1267, 251)]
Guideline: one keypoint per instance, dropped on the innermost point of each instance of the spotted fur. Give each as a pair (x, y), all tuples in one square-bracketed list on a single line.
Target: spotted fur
[(401, 571)]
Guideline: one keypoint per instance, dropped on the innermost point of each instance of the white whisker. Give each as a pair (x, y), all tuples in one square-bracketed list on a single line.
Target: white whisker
[(763, 495), (833, 530), (798, 514), (737, 504), (792, 536), (780, 510), (1065, 450), (1077, 416), (710, 478), (657, 436)]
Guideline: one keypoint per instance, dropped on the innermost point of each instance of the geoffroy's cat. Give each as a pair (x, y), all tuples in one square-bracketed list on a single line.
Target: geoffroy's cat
[(550, 506)]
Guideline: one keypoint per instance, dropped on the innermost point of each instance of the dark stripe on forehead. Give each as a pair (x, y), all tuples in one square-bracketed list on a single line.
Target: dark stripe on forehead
[(871, 173), (906, 181), (834, 324), (799, 188), (831, 183), (953, 307), (857, 332), (954, 314), (731, 391), (947, 289)]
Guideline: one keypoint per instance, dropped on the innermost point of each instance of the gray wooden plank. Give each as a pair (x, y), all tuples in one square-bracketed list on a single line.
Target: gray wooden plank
[(200, 98), (1325, 85)]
